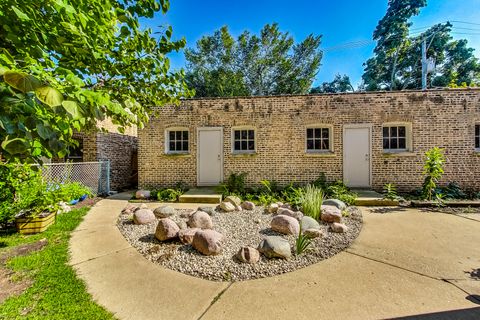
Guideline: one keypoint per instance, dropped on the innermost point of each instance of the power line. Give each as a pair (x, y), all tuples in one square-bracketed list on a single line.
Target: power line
[(465, 22)]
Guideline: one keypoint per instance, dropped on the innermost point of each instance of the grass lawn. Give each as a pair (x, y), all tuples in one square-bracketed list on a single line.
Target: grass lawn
[(56, 292)]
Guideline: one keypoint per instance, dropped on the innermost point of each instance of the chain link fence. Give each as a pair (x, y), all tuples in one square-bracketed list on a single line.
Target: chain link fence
[(94, 175)]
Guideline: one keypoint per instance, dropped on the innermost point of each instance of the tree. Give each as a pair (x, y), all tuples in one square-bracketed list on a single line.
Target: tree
[(339, 84), (396, 64), (64, 65), (270, 63)]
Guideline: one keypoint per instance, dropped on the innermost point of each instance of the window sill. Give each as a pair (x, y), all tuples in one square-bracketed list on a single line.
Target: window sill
[(326, 154), (476, 152), (387, 154), (244, 154), (178, 155)]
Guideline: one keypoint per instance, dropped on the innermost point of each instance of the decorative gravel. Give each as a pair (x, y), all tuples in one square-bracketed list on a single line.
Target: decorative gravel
[(240, 228)]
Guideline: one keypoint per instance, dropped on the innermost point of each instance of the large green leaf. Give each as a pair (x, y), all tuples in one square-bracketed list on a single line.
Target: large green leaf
[(15, 146), (49, 96), (3, 70), (21, 81), (72, 108)]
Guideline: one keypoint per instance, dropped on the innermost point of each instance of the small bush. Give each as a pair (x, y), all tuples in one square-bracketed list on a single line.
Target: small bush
[(338, 190), (311, 201), (169, 195), (235, 184), (433, 171), (390, 191)]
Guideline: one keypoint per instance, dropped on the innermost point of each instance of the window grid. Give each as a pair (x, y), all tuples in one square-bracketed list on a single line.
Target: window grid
[(178, 141), (244, 140), (395, 138), (318, 139), (477, 136)]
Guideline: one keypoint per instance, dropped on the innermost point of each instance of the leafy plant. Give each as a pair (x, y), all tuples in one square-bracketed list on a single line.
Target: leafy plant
[(440, 199), (71, 191), (390, 191), (302, 243), (338, 190), (433, 171), (169, 195), (453, 191), (292, 195), (269, 192), (235, 184), (311, 201)]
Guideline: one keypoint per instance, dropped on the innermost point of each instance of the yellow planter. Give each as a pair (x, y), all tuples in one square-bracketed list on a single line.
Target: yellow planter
[(30, 225)]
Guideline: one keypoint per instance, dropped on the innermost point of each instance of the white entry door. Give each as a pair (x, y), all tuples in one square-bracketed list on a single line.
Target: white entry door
[(209, 156), (356, 155)]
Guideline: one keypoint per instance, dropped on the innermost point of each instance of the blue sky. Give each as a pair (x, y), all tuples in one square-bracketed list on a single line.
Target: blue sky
[(338, 21)]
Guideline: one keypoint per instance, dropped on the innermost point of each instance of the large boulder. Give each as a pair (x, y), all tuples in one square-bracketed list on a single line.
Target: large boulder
[(208, 242), (164, 212), (336, 203), (288, 212), (166, 229), (200, 220), (248, 255), (186, 235), (339, 227), (275, 247), (143, 216), (233, 200), (227, 206), (285, 224), (209, 210), (309, 223), (331, 214), (271, 208), (248, 205), (142, 194)]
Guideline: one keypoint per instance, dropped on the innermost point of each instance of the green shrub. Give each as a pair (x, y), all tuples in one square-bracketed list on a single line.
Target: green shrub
[(338, 190), (268, 192), (390, 191), (292, 195), (70, 191), (452, 191), (433, 171), (169, 195), (311, 201), (235, 184), (302, 243)]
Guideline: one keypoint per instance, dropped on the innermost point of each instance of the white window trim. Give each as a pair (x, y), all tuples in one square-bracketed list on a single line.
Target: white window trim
[(330, 138), (474, 136), (408, 136), (233, 140), (167, 140)]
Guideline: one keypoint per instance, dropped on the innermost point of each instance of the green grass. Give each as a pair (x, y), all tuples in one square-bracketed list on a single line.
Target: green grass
[(56, 292)]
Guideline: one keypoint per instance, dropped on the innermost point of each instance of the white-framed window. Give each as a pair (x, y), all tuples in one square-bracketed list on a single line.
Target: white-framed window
[(477, 136), (177, 140), (244, 140), (397, 137), (318, 138)]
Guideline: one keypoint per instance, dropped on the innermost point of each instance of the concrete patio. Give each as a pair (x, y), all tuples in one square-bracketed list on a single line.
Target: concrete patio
[(405, 263)]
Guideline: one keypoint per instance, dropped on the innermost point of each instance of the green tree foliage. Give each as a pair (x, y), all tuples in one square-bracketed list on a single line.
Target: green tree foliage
[(339, 84), (64, 65), (270, 63), (396, 63)]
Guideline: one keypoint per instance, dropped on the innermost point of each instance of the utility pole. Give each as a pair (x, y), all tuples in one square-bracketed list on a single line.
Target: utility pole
[(424, 65)]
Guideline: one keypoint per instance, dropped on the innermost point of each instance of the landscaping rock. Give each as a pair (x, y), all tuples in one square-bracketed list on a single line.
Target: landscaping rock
[(286, 206), (166, 229), (238, 208), (227, 206), (142, 194), (129, 208), (209, 210), (336, 203), (186, 235), (287, 212), (248, 255), (200, 220), (142, 206), (248, 205), (181, 224), (313, 233), (331, 214), (339, 227), (164, 212), (208, 242), (309, 223), (143, 216), (271, 208), (275, 247), (233, 200), (187, 214), (285, 224)]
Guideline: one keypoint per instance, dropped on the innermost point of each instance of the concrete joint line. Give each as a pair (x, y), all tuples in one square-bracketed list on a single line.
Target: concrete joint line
[(101, 256), (474, 296), (215, 299)]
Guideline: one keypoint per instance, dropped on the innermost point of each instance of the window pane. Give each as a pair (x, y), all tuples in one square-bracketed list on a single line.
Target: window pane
[(325, 144), (178, 135), (251, 134), (236, 145), (386, 144), (251, 145), (237, 134), (318, 132), (178, 146), (325, 133), (172, 146), (393, 144), (401, 132), (401, 143), (393, 131), (244, 145), (244, 134), (385, 132), (309, 144), (172, 135), (477, 130), (309, 133), (185, 146), (317, 144), (477, 142), (185, 135)]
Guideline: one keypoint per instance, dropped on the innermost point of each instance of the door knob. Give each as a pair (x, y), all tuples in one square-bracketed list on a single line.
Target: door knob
[(367, 157), (218, 157)]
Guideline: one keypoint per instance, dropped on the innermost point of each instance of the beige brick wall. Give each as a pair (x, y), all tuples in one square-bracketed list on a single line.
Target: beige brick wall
[(444, 118)]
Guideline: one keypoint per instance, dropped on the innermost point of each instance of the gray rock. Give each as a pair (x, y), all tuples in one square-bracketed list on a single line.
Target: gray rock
[(129, 208), (271, 208), (248, 205), (275, 247), (142, 194), (287, 212), (336, 203), (209, 210), (200, 220), (313, 233), (238, 208), (248, 255), (233, 200), (164, 212), (331, 214), (181, 224), (309, 223), (285, 224), (227, 206), (166, 229), (143, 216), (208, 242), (339, 227), (186, 235)]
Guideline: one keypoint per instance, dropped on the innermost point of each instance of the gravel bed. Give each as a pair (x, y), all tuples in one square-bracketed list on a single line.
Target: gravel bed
[(240, 228)]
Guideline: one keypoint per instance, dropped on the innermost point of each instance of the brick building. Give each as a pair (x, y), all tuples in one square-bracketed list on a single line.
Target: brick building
[(366, 139)]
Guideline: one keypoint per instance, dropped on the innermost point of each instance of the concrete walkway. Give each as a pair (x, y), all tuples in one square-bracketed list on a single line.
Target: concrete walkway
[(405, 263)]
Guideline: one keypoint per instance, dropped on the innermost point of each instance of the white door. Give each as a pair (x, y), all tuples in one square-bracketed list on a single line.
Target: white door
[(356, 156), (209, 156)]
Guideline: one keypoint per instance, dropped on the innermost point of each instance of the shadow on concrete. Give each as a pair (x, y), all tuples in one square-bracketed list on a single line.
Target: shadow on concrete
[(383, 210), (474, 274), (463, 314)]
